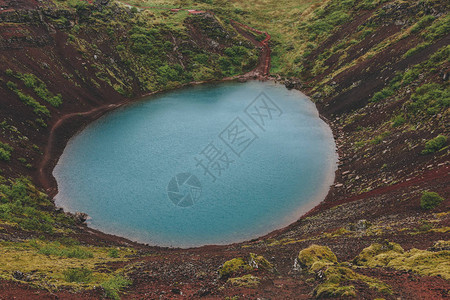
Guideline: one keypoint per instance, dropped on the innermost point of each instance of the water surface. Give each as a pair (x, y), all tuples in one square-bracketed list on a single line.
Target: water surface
[(209, 164)]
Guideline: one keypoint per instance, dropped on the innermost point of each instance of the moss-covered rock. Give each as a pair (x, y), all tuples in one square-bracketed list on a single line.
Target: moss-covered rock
[(335, 276), (440, 246), (245, 281), (233, 266), (422, 262), (316, 257), (259, 262), (378, 254)]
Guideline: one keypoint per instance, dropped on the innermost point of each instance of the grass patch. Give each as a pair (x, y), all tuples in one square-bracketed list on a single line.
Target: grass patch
[(79, 275), (58, 271), (114, 285), (57, 249), (38, 108), (435, 144)]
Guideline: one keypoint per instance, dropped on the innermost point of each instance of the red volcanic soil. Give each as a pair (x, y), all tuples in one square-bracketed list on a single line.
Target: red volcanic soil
[(391, 207)]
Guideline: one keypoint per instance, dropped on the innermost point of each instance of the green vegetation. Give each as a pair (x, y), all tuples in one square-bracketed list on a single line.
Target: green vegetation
[(438, 29), (435, 144), (337, 275), (114, 285), (28, 100), (21, 203), (248, 281), (48, 271), (383, 94), (316, 257), (327, 19), (259, 262), (57, 249), (233, 266), (430, 200), (40, 88), (5, 151), (392, 255), (78, 275), (422, 23), (113, 253), (398, 120), (431, 98)]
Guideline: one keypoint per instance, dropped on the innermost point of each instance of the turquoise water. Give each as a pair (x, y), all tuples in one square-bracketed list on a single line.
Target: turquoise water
[(210, 164)]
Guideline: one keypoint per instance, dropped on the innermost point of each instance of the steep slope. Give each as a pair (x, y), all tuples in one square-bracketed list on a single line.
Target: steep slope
[(377, 71)]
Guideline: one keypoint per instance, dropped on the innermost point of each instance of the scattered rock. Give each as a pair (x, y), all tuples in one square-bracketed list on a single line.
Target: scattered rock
[(80, 217), (18, 275)]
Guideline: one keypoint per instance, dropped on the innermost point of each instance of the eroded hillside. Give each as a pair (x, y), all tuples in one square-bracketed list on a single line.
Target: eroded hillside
[(378, 72)]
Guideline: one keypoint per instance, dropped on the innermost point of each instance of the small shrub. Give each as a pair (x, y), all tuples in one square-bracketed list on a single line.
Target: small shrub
[(398, 121), (435, 144), (11, 85), (430, 200), (5, 151), (83, 275), (383, 94)]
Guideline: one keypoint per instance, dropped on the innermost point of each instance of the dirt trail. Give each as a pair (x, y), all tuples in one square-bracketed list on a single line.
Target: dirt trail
[(262, 70)]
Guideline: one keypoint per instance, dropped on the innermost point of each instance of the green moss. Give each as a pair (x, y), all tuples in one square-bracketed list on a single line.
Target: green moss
[(336, 275), (440, 246), (316, 257), (47, 270), (422, 262), (259, 262), (338, 232), (380, 251), (248, 281), (332, 290), (233, 266)]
